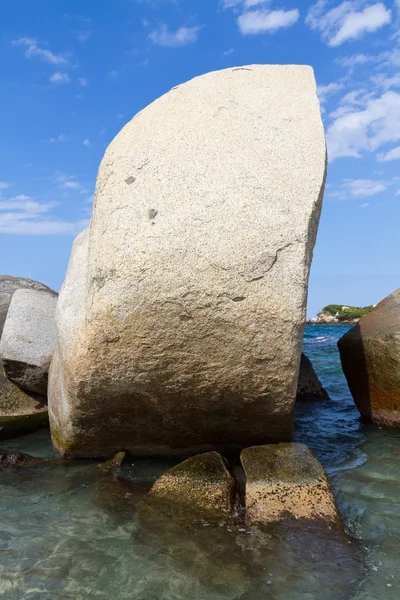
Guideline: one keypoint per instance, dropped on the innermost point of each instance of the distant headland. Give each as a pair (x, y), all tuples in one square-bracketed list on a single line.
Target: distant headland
[(340, 314)]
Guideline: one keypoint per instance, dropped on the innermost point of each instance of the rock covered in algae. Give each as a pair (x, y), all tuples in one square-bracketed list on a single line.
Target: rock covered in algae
[(285, 481), (199, 487), (309, 387), (370, 355), (181, 316), (20, 412)]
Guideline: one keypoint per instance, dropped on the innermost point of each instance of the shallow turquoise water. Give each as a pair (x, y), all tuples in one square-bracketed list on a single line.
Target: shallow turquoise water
[(67, 533)]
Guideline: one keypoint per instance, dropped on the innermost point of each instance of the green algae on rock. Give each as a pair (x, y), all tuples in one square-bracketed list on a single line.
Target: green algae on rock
[(199, 487), (286, 481)]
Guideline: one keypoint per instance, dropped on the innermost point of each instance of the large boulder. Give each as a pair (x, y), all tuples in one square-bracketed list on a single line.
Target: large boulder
[(29, 337), (370, 355), (309, 387), (285, 481), (10, 284), (20, 413), (185, 300)]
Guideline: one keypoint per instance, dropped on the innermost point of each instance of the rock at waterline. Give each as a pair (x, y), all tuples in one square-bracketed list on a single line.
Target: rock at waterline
[(200, 487), (284, 482), (370, 355), (309, 387), (20, 412), (17, 460), (206, 212), (9, 285), (28, 339)]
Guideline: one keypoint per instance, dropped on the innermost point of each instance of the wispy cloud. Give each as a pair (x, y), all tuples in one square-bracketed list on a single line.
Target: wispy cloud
[(324, 91), (25, 216), (58, 77), (349, 20), (4, 185), (68, 182), (363, 124), (266, 21), (83, 35), (83, 81), (183, 36), (33, 50), (393, 154), (87, 143), (56, 140)]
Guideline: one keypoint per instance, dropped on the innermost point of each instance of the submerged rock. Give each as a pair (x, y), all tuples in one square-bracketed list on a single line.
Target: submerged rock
[(370, 355), (28, 340), (9, 285), (285, 481), (309, 387), (15, 460), (20, 412), (200, 487), (180, 321)]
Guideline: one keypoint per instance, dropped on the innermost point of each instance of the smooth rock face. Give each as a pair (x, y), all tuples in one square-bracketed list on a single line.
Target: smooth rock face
[(285, 481), (370, 355), (28, 340), (20, 412), (8, 285), (309, 387), (185, 333), (199, 487)]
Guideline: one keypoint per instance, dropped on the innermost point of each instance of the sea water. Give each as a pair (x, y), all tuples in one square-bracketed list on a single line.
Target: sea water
[(69, 533)]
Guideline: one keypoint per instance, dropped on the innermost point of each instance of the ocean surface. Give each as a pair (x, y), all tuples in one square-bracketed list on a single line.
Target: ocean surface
[(67, 532)]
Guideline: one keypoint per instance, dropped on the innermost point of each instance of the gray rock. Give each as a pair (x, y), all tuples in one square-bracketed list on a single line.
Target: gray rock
[(8, 285), (185, 333), (28, 340), (309, 387)]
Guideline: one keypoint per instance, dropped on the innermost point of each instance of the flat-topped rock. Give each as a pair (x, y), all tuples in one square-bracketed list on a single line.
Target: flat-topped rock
[(199, 487), (29, 337), (284, 482), (184, 303), (370, 355), (8, 285), (20, 412)]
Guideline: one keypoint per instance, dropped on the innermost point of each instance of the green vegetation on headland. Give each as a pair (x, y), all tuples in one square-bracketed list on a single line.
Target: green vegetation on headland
[(343, 312), (340, 313)]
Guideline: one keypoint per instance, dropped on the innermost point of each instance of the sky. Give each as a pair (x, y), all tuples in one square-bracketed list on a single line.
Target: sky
[(74, 72)]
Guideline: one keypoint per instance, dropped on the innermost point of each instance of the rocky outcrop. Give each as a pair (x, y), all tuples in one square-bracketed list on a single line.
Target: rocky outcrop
[(370, 355), (20, 412), (200, 487), (19, 460), (285, 481), (9, 285), (309, 387), (184, 332), (28, 340)]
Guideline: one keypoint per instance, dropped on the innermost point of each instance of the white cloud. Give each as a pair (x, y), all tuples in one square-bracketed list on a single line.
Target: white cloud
[(23, 215), (365, 205), (33, 50), (4, 185), (86, 143), (243, 3), (382, 80), (353, 60), (393, 154), (59, 77), (181, 37), (83, 81), (261, 21), (324, 91), (356, 131), (228, 52), (56, 140), (347, 21), (73, 185), (363, 188)]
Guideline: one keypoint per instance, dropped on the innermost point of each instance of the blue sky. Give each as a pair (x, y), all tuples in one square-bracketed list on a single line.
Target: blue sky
[(73, 73)]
